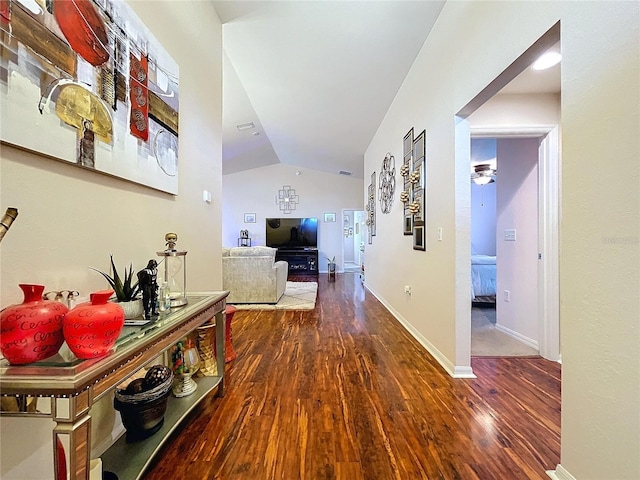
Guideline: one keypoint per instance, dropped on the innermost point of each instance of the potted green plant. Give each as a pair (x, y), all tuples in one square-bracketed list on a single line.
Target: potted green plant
[(332, 266), (126, 291)]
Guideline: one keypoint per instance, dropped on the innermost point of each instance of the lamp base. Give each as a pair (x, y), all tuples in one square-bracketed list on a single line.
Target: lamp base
[(185, 386)]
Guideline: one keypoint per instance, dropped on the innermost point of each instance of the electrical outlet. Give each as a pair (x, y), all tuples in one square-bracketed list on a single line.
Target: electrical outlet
[(439, 234), (407, 289), (507, 295)]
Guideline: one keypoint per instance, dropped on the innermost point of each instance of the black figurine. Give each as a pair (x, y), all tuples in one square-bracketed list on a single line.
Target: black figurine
[(147, 281)]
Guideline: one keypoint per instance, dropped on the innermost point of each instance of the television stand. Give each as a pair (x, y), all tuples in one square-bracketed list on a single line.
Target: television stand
[(302, 261)]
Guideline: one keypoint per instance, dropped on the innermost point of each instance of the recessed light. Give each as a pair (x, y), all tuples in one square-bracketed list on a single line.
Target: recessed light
[(546, 60)]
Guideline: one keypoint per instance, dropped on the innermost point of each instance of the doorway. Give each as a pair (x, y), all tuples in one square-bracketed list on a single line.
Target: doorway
[(508, 316), (352, 240), (548, 213)]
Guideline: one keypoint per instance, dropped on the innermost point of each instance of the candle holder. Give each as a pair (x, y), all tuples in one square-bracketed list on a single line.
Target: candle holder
[(185, 363)]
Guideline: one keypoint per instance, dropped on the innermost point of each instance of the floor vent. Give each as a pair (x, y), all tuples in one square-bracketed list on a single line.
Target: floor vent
[(344, 172)]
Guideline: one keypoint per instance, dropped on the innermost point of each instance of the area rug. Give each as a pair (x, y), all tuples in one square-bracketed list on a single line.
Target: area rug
[(297, 296)]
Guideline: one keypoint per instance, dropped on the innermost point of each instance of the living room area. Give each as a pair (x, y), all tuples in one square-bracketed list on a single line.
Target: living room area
[(320, 195)]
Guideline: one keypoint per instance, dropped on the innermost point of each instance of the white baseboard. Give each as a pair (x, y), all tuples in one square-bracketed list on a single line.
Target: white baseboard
[(451, 369), (560, 474), (529, 342)]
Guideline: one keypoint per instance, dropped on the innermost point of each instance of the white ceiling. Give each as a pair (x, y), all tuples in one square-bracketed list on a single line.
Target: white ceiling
[(315, 77)]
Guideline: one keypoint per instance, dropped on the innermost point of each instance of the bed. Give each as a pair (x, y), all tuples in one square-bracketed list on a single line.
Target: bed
[(483, 278)]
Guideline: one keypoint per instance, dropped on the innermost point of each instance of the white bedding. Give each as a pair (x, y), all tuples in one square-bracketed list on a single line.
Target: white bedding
[(483, 276)]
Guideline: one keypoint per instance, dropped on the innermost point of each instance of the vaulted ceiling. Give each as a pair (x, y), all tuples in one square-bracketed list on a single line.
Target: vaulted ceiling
[(314, 78)]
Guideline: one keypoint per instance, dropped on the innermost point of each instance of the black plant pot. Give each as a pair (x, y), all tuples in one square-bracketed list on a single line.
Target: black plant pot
[(142, 419)]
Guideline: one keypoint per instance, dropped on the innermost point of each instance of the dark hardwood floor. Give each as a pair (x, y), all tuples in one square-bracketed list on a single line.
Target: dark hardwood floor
[(344, 392)]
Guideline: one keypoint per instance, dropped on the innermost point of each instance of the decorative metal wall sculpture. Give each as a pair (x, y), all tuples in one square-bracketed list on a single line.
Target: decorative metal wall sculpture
[(414, 194), (387, 186), (405, 195), (371, 208), (287, 199)]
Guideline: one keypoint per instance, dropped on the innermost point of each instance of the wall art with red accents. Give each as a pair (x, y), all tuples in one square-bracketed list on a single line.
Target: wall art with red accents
[(86, 82)]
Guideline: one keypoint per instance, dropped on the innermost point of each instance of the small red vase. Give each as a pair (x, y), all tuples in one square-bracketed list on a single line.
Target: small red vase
[(92, 328), (32, 330)]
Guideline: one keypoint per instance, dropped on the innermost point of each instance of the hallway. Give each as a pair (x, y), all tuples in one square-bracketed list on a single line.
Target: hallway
[(344, 392)]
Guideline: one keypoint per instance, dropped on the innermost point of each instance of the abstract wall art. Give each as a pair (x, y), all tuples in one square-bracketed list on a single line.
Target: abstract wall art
[(85, 82)]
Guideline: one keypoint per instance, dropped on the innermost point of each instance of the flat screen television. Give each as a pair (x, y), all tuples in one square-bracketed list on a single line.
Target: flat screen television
[(292, 232)]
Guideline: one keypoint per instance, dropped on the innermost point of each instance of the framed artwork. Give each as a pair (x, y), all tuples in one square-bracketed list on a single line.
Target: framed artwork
[(86, 83), (329, 217), (249, 218)]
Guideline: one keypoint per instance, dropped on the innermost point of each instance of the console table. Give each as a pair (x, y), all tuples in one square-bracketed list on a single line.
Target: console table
[(74, 385), (301, 261)]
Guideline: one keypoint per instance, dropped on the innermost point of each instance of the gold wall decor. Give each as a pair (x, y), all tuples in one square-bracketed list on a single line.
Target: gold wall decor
[(414, 183)]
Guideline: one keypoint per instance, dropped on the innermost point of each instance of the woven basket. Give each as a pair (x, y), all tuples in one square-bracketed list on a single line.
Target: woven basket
[(142, 419), (143, 413), (147, 395)]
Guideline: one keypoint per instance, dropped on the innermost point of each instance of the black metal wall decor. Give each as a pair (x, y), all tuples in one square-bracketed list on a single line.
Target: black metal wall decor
[(387, 187), (414, 194), (287, 199), (371, 208)]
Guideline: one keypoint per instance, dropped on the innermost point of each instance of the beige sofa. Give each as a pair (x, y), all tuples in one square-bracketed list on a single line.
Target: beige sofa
[(252, 275)]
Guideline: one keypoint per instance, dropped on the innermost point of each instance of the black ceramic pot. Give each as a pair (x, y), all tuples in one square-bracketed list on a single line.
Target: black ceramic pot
[(142, 419)]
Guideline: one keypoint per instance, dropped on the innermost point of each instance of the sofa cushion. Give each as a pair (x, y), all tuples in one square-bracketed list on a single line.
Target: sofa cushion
[(258, 251)]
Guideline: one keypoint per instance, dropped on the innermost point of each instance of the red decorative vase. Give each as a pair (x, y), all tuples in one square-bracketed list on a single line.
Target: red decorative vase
[(32, 330), (92, 328)]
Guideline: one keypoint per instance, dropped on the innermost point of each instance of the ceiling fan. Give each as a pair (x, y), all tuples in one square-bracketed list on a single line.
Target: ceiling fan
[(483, 174)]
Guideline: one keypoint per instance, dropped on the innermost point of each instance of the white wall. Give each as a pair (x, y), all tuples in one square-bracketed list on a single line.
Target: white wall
[(70, 218), (483, 200), (599, 261), (483, 218), (254, 191), (517, 209), (518, 109)]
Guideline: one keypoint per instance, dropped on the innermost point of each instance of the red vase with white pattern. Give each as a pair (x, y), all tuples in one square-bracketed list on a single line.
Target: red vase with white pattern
[(32, 330), (91, 329)]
